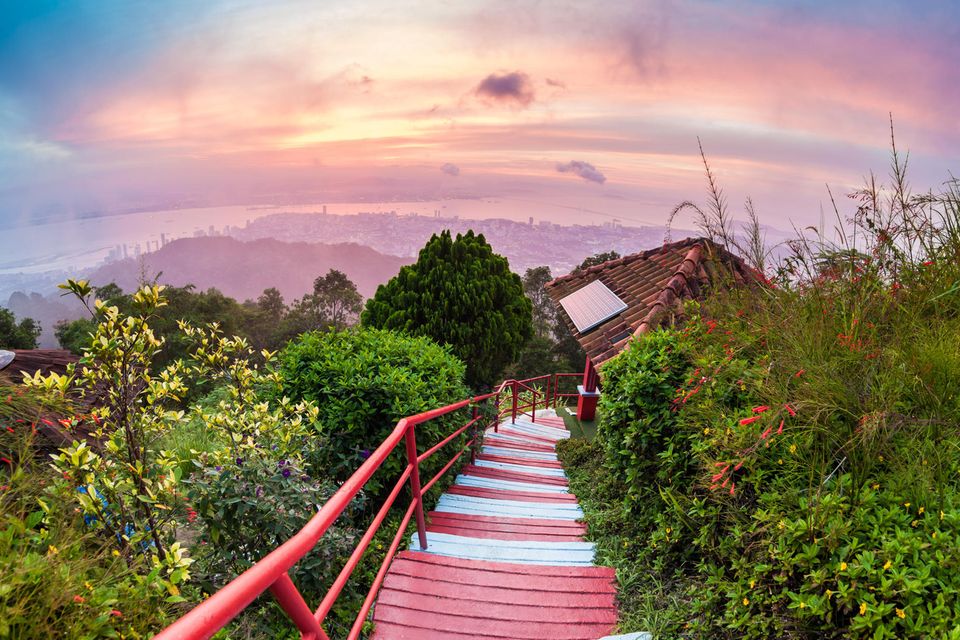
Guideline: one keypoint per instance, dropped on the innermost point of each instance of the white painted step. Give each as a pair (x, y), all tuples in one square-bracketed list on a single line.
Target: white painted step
[(516, 551)]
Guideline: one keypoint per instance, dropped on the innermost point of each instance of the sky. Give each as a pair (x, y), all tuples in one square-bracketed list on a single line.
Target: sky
[(110, 105)]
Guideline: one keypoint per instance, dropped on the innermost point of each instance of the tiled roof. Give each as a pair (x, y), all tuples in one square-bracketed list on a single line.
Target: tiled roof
[(33, 360), (652, 284)]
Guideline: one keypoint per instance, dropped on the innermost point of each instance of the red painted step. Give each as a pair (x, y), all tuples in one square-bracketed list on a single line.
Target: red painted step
[(516, 476), (543, 525), (521, 630), (508, 494), (449, 565), (546, 464), (479, 593), (448, 603)]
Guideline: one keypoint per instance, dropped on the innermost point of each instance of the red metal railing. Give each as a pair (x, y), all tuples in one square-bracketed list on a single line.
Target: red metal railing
[(557, 381), (271, 573)]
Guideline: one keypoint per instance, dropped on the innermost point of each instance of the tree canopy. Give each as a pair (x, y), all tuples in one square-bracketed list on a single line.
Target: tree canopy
[(17, 335), (460, 293)]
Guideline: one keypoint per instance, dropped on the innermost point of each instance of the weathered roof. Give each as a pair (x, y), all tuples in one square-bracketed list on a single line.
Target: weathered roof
[(32, 360), (652, 284)]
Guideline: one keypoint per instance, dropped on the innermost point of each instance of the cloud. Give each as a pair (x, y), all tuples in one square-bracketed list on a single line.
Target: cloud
[(583, 169), (560, 84), (507, 88), (450, 169)]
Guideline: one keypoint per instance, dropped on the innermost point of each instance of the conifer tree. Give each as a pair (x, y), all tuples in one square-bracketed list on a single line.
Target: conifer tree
[(460, 293)]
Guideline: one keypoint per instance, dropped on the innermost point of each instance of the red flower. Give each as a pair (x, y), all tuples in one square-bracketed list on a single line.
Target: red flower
[(79, 599), (747, 421), (799, 373), (760, 409), (780, 430), (116, 614), (790, 410)]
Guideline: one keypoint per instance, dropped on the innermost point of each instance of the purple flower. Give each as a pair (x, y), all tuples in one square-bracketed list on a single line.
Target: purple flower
[(239, 462), (286, 473), (259, 491), (365, 454), (219, 468)]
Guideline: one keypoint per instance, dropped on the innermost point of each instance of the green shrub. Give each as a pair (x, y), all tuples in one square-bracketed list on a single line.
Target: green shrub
[(363, 382), (58, 578), (637, 426)]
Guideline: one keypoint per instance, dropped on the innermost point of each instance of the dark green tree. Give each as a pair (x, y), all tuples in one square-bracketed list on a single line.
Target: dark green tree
[(597, 258), (17, 335), (534, 282), (460, 293)]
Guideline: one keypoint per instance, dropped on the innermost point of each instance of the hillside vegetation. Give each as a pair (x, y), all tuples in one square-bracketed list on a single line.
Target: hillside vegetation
[(786, 464)]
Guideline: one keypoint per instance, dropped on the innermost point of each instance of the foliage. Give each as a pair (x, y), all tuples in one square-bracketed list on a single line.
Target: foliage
[(802, 479), (363, 382), (334, 304), (534, 283), (17, 335), (596, 259), (57, 578), (638, 428), (461, 294), (127, 490)]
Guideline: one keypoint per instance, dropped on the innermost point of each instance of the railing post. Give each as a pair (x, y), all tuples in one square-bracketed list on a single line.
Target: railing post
[(292, 603), (473, 449), (411, 441), (533, 410), (513, 418)]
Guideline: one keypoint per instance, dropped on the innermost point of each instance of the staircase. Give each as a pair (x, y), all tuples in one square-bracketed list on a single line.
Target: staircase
[(505, 554)]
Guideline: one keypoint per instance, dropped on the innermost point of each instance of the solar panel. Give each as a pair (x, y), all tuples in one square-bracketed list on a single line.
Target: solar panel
[(592, 305)]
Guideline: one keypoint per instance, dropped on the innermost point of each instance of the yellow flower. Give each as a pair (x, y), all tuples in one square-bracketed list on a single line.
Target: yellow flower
[(933, 535), (116, 554), (779, 460), (52, 550), (901, 614), (706, 431), (880, 458), (914, 523), (843, 566), (887, 565), (793, 448), (875, 486), (669, 530), (941, 515), (745, 602), (88, 586), (803, 605), (863, 608), (829, 594), (753, 583), (920, 511), (906, 504)]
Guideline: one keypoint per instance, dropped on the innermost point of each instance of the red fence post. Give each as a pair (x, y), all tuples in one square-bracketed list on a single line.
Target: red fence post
[(514, 418), (292, 603), (473, 448), (411, 441)]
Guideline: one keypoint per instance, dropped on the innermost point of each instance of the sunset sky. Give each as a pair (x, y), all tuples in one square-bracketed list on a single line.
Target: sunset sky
[(111, 104)]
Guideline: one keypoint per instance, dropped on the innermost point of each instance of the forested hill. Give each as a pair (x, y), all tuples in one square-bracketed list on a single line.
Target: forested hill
[(242, 270)]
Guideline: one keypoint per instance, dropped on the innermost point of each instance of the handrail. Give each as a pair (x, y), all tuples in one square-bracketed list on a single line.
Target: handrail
[(272, 571)]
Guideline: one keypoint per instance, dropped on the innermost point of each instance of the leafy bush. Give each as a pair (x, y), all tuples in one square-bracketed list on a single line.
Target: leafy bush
[(803, 479), (58, 579), (363, 382), (638, 425)]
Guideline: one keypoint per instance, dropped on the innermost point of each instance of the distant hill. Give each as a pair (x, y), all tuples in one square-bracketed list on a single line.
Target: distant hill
[(242, 270)]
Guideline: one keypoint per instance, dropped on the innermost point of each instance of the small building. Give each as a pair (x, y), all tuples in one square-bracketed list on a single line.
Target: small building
[(607, 304)]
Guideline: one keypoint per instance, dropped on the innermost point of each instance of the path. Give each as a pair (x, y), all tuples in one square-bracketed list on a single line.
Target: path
[(505, 558)]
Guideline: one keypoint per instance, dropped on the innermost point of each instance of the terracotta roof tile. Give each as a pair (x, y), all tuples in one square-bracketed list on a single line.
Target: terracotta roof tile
[(652, 284)]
